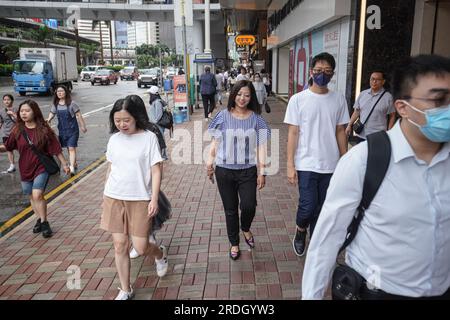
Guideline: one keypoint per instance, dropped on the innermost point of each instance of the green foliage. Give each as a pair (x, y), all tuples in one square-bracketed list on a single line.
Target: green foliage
[(11, 51), (147, 55), (115, 68), (6, 69), (43, 35), (79, 68)]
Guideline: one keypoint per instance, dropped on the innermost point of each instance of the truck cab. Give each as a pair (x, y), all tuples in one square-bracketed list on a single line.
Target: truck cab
[(32, 76), (40, 70)]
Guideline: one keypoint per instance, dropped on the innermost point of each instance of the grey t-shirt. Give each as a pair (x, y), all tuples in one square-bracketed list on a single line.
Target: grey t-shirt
[(73, 108), (377, 121), (7, 122)]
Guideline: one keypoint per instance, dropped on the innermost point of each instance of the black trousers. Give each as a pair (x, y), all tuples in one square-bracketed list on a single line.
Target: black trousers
[(209, 103), (235, 185)]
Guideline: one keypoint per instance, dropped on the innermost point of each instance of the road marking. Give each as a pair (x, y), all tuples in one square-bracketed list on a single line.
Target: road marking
[(27, 210), (87, 114)]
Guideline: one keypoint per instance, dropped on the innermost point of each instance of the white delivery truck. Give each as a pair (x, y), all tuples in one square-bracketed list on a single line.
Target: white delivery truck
[(42, 69)]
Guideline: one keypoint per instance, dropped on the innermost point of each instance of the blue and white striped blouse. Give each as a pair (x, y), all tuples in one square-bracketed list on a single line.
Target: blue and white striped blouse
[(238, 139)]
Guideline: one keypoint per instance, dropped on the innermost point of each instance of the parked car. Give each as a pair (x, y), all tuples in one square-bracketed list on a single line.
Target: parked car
[(148, 77), (104, 76), (88, 71), (129, 73)]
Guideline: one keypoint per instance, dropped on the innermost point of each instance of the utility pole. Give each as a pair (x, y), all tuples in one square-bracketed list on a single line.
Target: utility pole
[(185, 62), (160, 67)]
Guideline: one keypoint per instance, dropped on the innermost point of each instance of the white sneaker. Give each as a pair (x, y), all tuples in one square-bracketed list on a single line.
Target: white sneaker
[(134, 254), (11, 168), (162, 264), (123, 295), (206, 119), (72, 170)]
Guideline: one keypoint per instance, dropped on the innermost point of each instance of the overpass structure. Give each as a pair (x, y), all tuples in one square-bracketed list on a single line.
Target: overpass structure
[(113, 10)]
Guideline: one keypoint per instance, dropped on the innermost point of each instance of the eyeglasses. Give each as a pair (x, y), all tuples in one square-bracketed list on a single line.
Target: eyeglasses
[(438, 102), (326, 71)]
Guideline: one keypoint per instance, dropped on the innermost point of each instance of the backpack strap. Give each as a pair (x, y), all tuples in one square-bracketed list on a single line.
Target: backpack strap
[(378, 158)]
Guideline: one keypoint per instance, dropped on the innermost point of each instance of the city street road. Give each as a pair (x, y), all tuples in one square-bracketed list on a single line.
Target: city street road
[(95, 103)]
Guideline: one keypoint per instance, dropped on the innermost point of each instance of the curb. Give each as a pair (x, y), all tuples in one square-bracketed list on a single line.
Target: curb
[(50, 196)]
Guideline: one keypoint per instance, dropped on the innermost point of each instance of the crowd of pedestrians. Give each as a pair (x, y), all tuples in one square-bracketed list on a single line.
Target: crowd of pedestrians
[(392, 218)]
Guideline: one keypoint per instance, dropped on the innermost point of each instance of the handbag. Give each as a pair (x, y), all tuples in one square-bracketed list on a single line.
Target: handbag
[(346, 283), (49, 162), (358, 126), (267, 107), (164, 212)]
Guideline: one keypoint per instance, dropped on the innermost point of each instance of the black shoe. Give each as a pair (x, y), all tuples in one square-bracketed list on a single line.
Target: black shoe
[(37, 227), (234, 255), (299, 242), (46, 231)]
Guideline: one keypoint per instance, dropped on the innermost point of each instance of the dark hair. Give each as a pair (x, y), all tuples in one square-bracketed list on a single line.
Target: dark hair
[(207, 69), (263, 70), (43, 131), (67, 99), (257, 74), (404, 77), (324, 56), (253, 104), (243, 68), (9, 96), (379, 71), (154, 97), (135, 106)]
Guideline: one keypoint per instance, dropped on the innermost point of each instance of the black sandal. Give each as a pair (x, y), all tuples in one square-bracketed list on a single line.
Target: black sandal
[(250, 241), (234, 255)]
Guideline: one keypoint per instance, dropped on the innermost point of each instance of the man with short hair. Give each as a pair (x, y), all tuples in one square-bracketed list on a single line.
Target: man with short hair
[(208, 86), (316, 140), (402, 247), (378, 99)]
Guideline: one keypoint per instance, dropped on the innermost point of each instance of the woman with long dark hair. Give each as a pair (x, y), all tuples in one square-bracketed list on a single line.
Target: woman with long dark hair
[(69, 114), (132, 188), (31, 123), (238, 150)]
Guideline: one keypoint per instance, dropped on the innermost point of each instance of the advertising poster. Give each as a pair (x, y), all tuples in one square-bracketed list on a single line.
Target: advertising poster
[(179, 91)]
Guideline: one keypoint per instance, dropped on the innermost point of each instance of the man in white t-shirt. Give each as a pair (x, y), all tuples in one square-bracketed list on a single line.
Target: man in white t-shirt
[(316, 140)]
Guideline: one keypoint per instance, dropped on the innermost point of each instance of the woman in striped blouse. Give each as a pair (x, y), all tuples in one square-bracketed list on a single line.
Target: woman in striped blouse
[(238, 150)]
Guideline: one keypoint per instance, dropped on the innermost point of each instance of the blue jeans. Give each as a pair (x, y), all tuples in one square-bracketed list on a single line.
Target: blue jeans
[(40, 182), (312, 188)]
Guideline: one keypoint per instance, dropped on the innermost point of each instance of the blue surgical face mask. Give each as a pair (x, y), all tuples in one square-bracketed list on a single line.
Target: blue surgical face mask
[(437, 128), (322, 79)]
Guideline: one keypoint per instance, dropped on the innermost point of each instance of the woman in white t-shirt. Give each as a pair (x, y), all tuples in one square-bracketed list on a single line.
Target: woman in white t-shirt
[(132, 188)]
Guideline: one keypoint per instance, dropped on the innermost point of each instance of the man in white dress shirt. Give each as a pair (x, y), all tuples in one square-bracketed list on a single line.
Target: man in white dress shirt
[(402, 248)]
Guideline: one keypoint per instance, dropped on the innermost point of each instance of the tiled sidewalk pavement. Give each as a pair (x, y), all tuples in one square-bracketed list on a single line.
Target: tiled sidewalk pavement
[(34, 268)]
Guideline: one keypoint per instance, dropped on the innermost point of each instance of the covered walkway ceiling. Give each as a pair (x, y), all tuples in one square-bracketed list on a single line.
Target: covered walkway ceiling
[(99, 11), (243, 15)]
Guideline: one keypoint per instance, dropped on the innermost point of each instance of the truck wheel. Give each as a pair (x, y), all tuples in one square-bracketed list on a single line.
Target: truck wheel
[(22, 93)]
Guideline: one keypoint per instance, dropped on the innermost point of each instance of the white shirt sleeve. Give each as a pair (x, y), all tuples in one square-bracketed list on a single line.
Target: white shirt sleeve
[(292, 113), (343, 197), (108, 150), (343, 116), (155, 153)]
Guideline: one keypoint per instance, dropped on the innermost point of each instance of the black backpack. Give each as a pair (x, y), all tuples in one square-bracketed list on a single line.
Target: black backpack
[(346, 282)]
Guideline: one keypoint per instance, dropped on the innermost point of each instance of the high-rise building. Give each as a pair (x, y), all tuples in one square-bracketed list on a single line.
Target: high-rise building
[(85, 30), (143, 32)]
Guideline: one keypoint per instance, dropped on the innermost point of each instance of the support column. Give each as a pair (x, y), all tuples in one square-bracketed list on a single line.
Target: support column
[(207, 27)]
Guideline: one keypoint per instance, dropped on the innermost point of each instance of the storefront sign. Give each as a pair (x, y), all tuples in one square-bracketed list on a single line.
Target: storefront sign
[(242, 40)]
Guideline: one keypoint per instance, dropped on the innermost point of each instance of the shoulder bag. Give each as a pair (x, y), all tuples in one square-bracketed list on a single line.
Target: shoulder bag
[(358, 126), (49, 162), (346, 283)]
